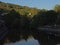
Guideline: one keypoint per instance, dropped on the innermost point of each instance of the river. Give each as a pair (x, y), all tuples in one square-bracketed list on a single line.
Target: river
[(30, 41)]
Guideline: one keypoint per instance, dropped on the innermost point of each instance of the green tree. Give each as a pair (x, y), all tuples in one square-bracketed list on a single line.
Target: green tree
[(38, 20), (57, 8), (12, 20), (51, 17)]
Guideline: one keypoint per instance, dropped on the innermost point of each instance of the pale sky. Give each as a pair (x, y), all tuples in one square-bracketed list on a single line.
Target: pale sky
[(44, 4)]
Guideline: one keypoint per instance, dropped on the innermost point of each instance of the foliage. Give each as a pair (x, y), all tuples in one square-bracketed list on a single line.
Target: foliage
[(20, 9), (22, 20)]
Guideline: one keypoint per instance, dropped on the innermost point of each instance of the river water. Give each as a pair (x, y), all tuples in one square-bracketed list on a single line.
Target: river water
[(30, 41)]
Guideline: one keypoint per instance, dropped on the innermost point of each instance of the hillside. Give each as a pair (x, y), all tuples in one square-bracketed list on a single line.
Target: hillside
[(21, 9)]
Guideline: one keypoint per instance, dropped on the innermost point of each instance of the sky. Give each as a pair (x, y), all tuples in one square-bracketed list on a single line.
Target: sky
[(40, 4)]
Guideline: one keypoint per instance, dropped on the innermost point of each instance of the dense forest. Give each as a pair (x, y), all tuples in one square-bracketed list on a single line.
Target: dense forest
[(23, 20)]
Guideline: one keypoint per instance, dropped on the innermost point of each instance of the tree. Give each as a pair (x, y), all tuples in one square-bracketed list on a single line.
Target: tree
[(57, 8), (25, 23), (51, 16), (12, 20), (38, 20)]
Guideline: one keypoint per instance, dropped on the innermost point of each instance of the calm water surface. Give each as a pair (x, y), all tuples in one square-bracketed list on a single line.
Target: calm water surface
[(30, 41)]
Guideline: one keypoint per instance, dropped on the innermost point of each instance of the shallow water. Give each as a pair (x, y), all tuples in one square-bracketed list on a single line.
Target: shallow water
[(30, 41)]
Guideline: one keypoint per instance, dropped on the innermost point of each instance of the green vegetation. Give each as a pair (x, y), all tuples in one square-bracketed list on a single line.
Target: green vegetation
[(20, 9), (22, 20)]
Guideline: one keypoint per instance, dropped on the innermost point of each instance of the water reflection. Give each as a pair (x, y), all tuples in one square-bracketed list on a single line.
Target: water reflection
[(58, 44), (30, 41)]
